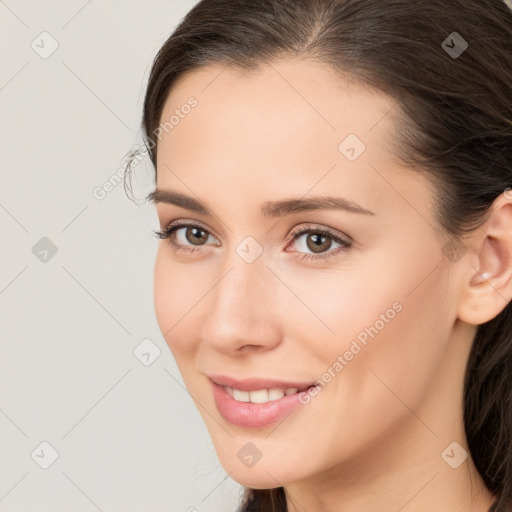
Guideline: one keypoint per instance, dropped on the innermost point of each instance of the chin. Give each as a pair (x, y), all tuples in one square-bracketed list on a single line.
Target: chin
[(254, 481), (260, 476)]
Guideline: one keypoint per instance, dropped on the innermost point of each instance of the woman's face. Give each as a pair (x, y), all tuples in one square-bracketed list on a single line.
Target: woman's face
[(370, 322)]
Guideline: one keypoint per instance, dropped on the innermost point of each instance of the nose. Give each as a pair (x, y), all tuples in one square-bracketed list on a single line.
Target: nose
[(241, 311)]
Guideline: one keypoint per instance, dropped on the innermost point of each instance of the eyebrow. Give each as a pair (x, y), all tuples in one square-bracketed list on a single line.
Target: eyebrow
[(268, 209)]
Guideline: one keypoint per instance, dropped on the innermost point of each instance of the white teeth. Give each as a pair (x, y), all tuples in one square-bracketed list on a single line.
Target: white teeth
[(275, 394), (241, 396), (260, 396)]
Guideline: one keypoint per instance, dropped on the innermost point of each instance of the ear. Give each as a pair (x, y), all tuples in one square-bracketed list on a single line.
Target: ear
[(487, 281)]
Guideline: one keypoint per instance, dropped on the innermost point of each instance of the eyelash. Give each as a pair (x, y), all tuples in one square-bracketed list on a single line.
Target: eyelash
[(345, 243)]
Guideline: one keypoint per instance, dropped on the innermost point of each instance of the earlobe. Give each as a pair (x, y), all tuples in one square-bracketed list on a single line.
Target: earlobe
[(488, 284)]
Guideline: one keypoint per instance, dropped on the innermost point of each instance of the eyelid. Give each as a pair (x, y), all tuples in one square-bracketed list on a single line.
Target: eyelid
[(300, 228), (304, 227), (346, 242), (183, 223)]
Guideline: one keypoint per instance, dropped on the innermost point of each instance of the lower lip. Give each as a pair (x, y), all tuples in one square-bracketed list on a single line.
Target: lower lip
[(247, 414)]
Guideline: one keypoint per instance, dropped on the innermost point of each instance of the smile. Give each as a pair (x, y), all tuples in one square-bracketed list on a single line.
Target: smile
[(255, 408), (260, 396)]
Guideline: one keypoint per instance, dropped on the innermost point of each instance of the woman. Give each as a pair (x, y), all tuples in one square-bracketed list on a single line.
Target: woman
[(333, 187)]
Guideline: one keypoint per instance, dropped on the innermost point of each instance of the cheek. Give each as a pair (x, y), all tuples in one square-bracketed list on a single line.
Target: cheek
[(163, 299), (392, 338), (174, 296), (328, 309), (386, 309), (383, 366)]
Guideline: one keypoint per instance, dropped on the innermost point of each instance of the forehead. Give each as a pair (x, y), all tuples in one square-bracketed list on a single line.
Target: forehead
[(281, 127), (291, 104)]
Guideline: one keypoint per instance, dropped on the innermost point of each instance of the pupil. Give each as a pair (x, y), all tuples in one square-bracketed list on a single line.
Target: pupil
[(319, 242), (195, 232)]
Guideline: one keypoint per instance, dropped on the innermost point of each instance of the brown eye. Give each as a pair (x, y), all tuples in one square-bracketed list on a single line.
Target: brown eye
[(318, 242), (183, 237), (195, 235)]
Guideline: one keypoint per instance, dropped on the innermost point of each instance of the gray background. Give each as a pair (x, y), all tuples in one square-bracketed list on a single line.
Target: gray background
[(127, 434)]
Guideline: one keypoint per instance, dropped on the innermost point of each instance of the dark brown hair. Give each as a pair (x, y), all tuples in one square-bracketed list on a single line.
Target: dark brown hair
[(454, 123)]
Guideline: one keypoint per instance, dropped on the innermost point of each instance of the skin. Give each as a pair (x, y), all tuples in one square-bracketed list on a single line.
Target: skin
[(372, 438)]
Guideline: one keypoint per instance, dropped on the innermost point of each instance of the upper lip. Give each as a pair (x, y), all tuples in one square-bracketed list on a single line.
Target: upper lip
[(256, 383)]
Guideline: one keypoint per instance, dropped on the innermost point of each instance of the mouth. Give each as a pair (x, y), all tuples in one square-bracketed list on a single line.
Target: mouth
[(257, 383), (257, 407), (262, 396)]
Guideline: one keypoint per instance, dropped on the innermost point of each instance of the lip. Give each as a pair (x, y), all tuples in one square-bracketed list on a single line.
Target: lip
[(254, 384), (249, 415)]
